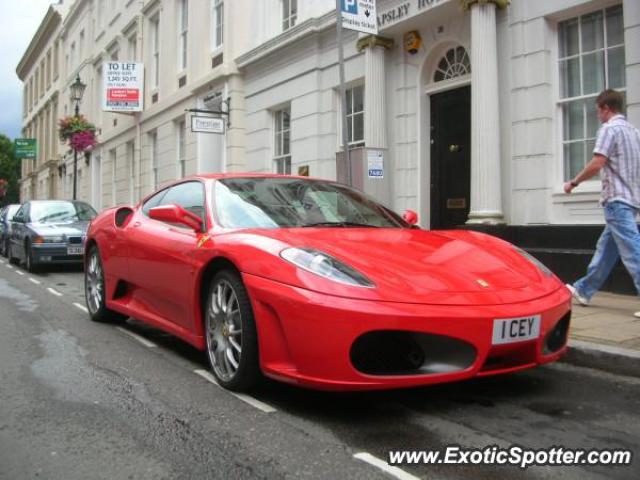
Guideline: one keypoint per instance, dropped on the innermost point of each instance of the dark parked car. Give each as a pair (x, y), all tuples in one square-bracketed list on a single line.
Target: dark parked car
[(6, 215), (49, 232)]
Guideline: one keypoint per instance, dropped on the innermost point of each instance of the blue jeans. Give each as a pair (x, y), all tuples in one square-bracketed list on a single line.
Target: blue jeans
[(619, 239)]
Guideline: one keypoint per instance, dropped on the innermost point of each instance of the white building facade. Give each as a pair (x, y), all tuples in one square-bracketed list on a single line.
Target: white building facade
[(481, 109)]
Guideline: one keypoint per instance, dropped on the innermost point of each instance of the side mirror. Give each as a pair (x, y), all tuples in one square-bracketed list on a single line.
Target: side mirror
[(410, 217), (176, 214)]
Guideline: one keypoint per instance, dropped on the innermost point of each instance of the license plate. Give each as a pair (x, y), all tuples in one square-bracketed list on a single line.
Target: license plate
[(75, 250), (512, 330)]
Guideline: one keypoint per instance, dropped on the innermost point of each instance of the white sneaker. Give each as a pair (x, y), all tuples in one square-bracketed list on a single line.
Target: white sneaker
[(637, 314), (579, 298)]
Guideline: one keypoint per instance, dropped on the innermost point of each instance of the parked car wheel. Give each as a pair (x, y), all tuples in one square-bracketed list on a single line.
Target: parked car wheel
[(12, 259), (94, 289), (30, 264), (232, 341)]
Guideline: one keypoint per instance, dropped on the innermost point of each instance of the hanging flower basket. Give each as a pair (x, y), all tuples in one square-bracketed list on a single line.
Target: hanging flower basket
[(78, 132)]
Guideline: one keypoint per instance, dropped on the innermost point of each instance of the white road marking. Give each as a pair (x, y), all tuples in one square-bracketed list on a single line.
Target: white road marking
[(33, 280), (54, 292), (255, 403), (81, 307), (137, 337), (9, 267), (19, 272), (2, 262), (384, 466)]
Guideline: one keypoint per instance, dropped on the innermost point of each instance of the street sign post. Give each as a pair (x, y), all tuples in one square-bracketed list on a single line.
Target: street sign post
[(25, 147)]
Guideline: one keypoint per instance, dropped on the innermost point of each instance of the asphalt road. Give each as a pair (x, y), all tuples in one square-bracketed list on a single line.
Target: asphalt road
[(80, 400)]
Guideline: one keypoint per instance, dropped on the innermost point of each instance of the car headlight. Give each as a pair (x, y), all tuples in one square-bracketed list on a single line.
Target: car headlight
[(48, 239), (326, 266), (535, 261)]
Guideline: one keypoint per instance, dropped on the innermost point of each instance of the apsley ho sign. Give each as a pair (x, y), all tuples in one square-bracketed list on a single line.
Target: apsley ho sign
[(359, 15), (123, 86)]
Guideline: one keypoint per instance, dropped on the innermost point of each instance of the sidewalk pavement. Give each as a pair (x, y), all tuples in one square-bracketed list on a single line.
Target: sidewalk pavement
[(606, 335)]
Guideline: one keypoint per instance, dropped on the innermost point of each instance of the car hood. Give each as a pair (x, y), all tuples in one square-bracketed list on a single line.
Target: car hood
[(68, 229), (419, 266)]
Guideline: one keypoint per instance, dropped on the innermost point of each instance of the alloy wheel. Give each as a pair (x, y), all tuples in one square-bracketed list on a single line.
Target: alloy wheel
[(94, 283), (224, 331)]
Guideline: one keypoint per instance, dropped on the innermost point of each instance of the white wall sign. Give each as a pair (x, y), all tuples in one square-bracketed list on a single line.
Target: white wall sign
[(375, 164), (359, 15), (123, 87), (207, 124), (405, 10)]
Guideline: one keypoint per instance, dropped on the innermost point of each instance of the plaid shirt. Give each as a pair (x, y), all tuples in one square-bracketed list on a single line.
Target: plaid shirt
[(619, 141)]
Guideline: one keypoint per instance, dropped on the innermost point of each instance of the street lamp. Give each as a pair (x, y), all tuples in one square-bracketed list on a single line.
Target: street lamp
[(76, 91)]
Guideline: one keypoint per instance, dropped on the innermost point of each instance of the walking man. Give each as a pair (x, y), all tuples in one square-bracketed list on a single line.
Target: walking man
[(617, 156)]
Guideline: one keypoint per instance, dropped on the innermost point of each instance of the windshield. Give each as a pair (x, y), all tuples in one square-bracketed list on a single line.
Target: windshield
[(292, 202), (57, 212)]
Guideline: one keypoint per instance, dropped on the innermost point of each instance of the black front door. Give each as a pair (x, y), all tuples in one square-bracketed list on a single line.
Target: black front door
[(450, 157)]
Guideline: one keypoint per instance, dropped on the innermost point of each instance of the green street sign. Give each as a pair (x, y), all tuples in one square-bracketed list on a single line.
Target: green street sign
[(25, 147)]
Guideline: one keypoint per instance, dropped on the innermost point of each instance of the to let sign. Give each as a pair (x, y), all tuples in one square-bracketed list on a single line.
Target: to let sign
[(359, 15), (25, 147), (123, 89)]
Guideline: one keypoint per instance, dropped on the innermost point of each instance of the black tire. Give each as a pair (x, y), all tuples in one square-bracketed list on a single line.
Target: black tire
[(247, 374), (29, 264), (98, 311), (12, 260)]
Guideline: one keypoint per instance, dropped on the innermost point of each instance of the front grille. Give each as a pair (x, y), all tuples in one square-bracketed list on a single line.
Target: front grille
[(75, 240), (395, 352)]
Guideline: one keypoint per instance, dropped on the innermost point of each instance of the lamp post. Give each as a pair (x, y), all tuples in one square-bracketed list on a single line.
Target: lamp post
[(76, 91)]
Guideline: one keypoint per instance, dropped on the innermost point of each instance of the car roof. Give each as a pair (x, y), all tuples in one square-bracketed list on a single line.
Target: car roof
[(220, 176)]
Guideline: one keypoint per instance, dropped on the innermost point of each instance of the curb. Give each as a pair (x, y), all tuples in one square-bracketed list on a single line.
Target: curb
[(621, 361)]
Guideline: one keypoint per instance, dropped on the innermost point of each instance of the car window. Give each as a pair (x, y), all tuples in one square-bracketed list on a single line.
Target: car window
[(11, 211), (153, 202), (189, 195), (61, 211), (21, 214)]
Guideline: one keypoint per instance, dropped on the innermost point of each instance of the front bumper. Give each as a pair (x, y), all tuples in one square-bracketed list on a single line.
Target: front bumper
[(307, 338), (55, 253)]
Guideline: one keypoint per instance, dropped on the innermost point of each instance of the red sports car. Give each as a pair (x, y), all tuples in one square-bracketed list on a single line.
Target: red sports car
[(311, 282)]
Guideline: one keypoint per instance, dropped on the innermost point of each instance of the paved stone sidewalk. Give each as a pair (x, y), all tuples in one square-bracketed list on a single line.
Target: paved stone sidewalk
[(608, 320)]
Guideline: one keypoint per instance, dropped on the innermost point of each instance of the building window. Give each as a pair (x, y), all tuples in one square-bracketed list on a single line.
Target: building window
[(454, 63), (114, 53), (183, 26), (218, 23), (282, 157), (132, 43), (591, 57), (153, 142), (355, 116), (49, 68), (81, 46), (289, 13), (112, 161), (100, 14), (72, 55), (131, 151), (155, 51), (181, 136)]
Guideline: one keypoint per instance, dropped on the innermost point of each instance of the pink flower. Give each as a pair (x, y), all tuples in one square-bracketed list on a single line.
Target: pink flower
[(83, 141)]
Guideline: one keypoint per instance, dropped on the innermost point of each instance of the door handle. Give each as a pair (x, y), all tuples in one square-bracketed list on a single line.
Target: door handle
[(136, 224), (454, 148)]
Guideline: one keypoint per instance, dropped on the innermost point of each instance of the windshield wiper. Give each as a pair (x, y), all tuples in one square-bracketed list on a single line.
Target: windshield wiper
[(338, 224)]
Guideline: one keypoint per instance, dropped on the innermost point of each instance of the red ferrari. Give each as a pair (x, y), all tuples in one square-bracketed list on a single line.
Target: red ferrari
[(311, 282)]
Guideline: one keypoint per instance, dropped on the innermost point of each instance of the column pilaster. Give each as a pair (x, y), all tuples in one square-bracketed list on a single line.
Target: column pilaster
[(486, 174)]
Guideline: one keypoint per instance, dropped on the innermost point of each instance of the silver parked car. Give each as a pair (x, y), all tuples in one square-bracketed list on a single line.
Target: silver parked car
[(49, 232), (6, 216)]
